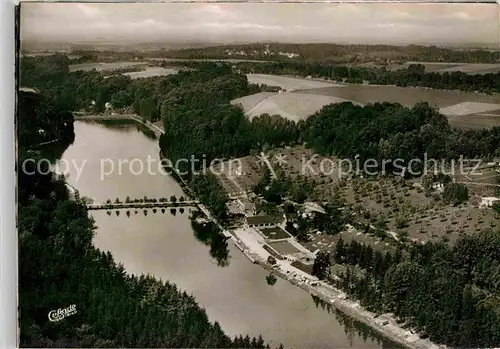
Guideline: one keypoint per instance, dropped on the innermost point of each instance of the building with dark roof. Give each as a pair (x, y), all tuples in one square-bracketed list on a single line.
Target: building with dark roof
[(263, 221)]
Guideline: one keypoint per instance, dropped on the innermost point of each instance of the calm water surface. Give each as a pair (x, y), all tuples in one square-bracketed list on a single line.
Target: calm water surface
[(237, 296)]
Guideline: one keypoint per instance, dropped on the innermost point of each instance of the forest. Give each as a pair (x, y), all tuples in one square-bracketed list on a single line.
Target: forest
[(59, 266), (390, 131), (450, 294)]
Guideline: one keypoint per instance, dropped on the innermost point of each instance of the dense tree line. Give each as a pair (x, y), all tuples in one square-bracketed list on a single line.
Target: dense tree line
[(194, 105), (390, 131), (332, 53), (208, 189), (59, 267), (413, 75), (199, 122), (150, 98), (41, 121), (449, 293)]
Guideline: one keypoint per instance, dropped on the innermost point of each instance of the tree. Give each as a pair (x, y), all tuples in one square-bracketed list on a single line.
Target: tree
[(455, 193), (401, 221), (496, 206), (340, 251), (322, 264), (173, 199), (271, 279)]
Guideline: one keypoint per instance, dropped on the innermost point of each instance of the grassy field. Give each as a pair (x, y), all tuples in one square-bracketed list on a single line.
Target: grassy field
[(325, 177), (288, 83), (283, 247), (104, 66), (152, 71), (275, 233)]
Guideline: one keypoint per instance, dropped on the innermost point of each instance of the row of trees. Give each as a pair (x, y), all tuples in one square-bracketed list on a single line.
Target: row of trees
[(413, 75), (449, 293), (128, 200)]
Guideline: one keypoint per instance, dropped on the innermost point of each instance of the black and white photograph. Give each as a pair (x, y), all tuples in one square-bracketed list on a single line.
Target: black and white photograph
[(257, 175)]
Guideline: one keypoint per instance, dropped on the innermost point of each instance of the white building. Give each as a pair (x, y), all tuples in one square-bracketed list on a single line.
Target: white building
[(262, 222), (488, 201)]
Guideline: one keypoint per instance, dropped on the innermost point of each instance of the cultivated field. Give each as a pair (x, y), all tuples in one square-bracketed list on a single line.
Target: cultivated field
[(403, 208), (469, 108), (296, 168), (470, 68), (248, 102), (206, 60), (288, 83), (152, 71), (99, 66), (293, 106), (397, 206), (466, 110)]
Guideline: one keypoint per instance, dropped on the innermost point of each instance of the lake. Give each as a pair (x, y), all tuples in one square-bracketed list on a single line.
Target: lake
[(164, 245)]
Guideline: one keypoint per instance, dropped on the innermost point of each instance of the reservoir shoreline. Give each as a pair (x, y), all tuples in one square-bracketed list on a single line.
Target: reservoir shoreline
[(329, 295)]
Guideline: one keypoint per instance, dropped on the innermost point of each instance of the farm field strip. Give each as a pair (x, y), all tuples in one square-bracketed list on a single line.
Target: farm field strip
[(293, 106), (467, 108), (248, 102), (100, 66), (288, 83), (472, 68), (149, 72)]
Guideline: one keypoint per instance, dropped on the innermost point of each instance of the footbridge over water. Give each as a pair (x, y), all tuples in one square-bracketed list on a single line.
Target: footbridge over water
[(131, 205)]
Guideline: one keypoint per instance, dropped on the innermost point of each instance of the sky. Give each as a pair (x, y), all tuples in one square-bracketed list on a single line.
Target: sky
[(396, 23)]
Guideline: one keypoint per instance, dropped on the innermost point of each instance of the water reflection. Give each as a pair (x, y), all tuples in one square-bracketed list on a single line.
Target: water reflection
[(125, 124), (354, 328), (209, 234)]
